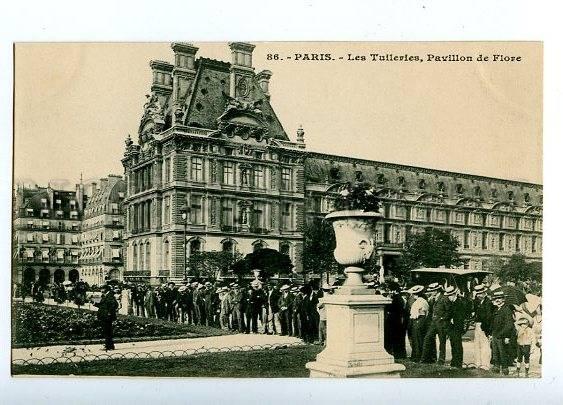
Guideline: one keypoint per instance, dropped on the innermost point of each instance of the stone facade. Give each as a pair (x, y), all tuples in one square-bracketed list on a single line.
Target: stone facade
[(46, 232), (210, 146), (101, 254), (490, 217)]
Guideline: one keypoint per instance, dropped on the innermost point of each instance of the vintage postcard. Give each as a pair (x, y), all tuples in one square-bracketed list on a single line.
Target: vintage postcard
[(278, 209)]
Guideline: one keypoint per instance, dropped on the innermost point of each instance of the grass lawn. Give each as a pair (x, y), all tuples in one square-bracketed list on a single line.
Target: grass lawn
[(35, 324), (282, 362)]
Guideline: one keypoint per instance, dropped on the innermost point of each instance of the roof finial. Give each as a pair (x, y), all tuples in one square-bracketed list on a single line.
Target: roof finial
[(300, 134)]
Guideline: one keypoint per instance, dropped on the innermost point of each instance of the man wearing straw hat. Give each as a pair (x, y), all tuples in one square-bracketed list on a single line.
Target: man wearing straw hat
[(502, 332)]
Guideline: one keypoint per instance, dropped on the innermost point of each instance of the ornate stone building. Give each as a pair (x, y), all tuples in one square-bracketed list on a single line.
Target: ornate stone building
[(211, 147), (101, 255), (490, 217), (46, 231)]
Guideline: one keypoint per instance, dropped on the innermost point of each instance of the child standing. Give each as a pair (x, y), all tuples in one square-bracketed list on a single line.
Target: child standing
[(524, 338)]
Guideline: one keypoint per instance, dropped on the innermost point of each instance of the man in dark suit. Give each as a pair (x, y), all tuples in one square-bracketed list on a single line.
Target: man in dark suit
[(502, 331), (439, 325), (107, 313), (273, 309), (457, 327)]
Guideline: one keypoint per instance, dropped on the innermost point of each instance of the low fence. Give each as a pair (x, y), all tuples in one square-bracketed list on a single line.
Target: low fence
[(72, 356)]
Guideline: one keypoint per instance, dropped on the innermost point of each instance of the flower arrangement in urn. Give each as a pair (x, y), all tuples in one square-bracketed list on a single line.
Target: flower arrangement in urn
[(357, 196), (354, 223)]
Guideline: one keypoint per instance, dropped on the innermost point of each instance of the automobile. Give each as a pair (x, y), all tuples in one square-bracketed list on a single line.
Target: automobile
[(463, 279)]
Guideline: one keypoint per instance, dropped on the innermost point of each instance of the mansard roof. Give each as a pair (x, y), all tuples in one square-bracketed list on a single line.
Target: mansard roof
[(207, 101), (327, 169)]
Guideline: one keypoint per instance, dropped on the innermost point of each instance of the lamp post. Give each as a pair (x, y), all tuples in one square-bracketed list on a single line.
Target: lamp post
[(185, 219)]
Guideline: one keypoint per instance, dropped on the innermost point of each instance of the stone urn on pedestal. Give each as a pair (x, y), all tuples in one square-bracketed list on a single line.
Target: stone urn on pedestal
[(355, 314)]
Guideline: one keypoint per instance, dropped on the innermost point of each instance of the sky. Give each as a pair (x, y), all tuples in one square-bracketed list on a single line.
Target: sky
[(75, 103)]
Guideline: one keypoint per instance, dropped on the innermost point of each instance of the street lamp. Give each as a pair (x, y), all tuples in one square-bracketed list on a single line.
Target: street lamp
[(184, 211)]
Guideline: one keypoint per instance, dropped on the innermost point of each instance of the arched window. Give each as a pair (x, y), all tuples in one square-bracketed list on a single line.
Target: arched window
[(195, 246), (148, 255), (228, 246), (166, 255), (135, 256), (260, 244), (285, 248), (141, 257)]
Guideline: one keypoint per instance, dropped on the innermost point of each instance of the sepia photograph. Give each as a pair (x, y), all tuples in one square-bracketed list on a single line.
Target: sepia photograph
[(277, 209)]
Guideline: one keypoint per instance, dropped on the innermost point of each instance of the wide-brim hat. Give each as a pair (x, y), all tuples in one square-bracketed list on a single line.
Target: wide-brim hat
[(417, 289), (523, 321), (480, 288), (208, 284), (182, 288), (451, 290), (284, 287), (433, 287), (328, 287), (256, 283), (499, 294)]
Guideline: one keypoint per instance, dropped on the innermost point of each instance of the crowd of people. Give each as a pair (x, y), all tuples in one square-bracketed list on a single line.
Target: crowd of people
[(505, 331), (255, 307)]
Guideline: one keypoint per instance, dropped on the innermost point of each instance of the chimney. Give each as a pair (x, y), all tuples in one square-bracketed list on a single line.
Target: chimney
[(183, 72), (241, 69), (80, 196), (264, 81), (161, 77)]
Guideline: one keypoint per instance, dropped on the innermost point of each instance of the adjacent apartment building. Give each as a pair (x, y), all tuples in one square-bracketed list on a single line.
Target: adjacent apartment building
[(46, 232)]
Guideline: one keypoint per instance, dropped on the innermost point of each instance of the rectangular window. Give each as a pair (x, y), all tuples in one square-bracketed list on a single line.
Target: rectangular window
[(226, 213), (286, 179), (45, 255), (400, 212), (114, 208), (60, 255), (501, 241), (228, 173), (286, 216), (116, 235), (166, 210), (195, 213), (75, 226), (29, 224), (196, 172), (45, 238), (74, 239), (43, 203), (115, 253), (518, 238), (73, 214), (258, 177), (59, 239), (30, 237), (485, 241), (466, 239), (229, 151), (44, 213), (166, 178), (29, 212), (59, 214), (534, 244), (258, 217)]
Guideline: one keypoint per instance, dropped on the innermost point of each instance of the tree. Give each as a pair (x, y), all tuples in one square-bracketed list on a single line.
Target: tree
[(211, 264), (432, 248), (318, 247), (269, 261), (516, 269)]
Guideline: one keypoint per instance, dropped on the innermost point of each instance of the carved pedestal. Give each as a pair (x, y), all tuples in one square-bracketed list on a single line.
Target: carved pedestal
[(354, 346)]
